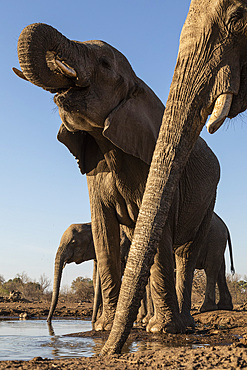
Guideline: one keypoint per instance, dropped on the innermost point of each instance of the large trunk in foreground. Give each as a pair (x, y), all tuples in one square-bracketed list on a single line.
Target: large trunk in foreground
[(182, 123)]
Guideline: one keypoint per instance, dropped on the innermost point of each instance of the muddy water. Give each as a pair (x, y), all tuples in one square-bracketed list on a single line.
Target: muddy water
[(26, 339)]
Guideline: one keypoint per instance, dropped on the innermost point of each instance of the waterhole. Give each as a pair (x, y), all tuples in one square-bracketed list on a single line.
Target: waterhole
[(26, 339)]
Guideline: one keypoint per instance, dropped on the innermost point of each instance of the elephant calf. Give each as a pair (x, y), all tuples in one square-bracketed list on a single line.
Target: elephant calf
[(211, 259), (77, 246)]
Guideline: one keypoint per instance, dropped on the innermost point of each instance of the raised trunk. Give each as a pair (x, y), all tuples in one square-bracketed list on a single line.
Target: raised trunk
[(39, 45), (59, 263)]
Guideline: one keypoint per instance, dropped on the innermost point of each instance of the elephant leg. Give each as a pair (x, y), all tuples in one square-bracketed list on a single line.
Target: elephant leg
[(186, 257), (106, 235), (209, 303), (166, 313), (225, 302), (149, 305), (185, 265), (97, 304), (142, 312)]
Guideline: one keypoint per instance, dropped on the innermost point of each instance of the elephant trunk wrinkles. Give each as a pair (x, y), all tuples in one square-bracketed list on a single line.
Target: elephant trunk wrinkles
[(59, 262), (179, 131), (38, 46)]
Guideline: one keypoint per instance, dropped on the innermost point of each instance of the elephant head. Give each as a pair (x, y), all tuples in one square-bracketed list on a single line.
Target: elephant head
[(209, 78), (96, 89), (77, 246)]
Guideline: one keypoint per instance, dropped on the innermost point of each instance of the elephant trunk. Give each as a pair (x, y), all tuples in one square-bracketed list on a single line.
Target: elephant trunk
[(59, 264), (44, 54)]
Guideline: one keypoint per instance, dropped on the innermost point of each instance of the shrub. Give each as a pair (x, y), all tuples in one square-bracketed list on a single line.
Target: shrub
[(83, 288)]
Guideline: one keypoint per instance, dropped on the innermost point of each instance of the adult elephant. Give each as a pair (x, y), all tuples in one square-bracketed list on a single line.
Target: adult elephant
[(209, 78), (111, 121)]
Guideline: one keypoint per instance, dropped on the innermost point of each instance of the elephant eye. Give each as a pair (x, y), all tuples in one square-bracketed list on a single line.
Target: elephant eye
[(104, 62), (236, 20)]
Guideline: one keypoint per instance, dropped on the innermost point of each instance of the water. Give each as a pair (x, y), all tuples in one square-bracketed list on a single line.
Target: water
[(25, 339)]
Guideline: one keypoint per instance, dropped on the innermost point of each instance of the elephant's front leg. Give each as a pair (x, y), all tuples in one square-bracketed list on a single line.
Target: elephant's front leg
[(166, 312), (106, 237)]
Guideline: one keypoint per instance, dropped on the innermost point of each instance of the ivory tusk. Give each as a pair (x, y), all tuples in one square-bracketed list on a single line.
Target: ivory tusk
[(220, 112), (19, 73), (68, 71)]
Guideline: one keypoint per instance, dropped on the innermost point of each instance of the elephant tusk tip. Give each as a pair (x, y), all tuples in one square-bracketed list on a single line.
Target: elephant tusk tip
[(66, 69), (220, 112), (214, 125), (19, 73)]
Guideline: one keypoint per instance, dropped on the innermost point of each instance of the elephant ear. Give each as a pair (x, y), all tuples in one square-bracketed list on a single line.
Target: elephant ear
[(134, 124), (76, 142)]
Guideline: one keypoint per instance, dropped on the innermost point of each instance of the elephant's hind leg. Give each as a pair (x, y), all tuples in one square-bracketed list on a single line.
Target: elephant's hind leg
[(209, 303), (225, 302)]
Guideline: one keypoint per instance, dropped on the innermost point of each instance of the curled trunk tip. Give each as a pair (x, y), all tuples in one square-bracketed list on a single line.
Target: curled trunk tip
[(38, 45)]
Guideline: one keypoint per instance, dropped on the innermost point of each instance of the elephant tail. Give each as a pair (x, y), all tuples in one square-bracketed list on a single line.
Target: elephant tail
[(229, 244), (230, 251)]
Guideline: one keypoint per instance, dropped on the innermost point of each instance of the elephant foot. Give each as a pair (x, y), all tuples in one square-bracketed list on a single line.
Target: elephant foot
[(168, 325), (225, 306), (188, 321), (208, 307), (146, 319), (104, 323)]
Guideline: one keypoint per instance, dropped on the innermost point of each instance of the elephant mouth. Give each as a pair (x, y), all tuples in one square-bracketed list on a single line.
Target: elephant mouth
[(67, 99)]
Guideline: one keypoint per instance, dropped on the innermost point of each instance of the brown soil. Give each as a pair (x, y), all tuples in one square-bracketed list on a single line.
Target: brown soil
[(219, 341)]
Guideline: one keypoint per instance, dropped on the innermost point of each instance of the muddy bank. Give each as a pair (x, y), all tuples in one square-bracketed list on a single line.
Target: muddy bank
[(40, 309), (218, 341), (219, 357)]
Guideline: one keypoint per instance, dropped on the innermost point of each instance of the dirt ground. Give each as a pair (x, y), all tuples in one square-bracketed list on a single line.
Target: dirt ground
[(218, 341)]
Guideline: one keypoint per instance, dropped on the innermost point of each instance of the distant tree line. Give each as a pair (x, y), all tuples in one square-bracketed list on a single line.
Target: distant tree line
[(81, 288)]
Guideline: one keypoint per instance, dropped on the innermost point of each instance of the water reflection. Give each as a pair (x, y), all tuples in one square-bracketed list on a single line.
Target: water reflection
[(23, 340)]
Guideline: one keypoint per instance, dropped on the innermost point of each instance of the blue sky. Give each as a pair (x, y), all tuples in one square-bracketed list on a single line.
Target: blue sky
[(42, 191)]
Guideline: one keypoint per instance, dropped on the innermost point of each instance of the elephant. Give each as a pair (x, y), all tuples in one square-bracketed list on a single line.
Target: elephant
[(110, 123), (76, 245), (211, 259), (209, 79)]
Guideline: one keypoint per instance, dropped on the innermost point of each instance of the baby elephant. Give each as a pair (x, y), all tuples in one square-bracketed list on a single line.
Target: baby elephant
[(212, 260), (77, 246)]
